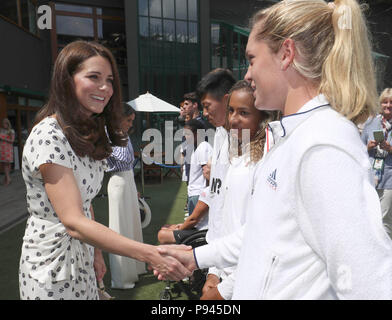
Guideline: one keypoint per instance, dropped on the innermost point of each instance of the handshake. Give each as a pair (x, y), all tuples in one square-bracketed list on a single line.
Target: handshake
[(172, 262)]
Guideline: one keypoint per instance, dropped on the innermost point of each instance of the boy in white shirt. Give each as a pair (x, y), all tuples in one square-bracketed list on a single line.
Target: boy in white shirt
[(199, 153)]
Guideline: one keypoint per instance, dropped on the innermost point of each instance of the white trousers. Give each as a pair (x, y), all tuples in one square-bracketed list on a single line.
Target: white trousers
[(124, 218), (385, 196)]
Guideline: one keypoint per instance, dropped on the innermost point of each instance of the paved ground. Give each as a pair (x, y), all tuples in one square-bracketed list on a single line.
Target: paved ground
[(12, 201)]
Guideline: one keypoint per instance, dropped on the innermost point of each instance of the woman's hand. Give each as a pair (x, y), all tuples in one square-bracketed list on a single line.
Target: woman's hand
[(99, 264), (386, 146), (372, 144), (166, 266), (182, 254)]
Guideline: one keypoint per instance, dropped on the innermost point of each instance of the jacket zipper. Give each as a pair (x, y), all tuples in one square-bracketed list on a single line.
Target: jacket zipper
[(268, 279)]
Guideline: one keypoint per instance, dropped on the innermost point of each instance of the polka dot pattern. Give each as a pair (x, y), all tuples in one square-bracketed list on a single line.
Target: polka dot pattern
[(53, 265)]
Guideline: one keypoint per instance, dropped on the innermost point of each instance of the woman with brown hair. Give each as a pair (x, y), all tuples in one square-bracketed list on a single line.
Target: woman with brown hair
[(7, 137), (63, 166)]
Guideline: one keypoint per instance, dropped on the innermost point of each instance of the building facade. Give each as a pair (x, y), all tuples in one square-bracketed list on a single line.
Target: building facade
[(161, 46)]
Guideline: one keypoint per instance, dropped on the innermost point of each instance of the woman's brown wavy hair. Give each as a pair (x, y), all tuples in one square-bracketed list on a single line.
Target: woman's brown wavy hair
[(85, 134)]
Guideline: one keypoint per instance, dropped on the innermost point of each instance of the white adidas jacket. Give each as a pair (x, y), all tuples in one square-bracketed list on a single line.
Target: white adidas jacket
[(314, 229)]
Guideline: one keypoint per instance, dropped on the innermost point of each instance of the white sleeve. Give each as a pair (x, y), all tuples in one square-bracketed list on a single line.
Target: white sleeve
[(215, 271), (340, 217), (205, 196), (204, 152), (226, 287), (221, 253)]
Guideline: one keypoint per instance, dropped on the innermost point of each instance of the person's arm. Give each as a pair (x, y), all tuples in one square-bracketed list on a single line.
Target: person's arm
[(69, 210), (207, 171), (121, 154), (210, 288), (223, 252), (371, 144), (385, 145), (99, 262), (339, 215), (226, 287), (198, 213)]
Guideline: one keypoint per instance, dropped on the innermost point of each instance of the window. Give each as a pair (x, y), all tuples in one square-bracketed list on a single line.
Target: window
[(169, 47), (155, 8), (73, 8), (180, 20), (75, 26), (21, 12), (168, 8), (228, 45), (169, 31), (156, 29), (102, 24), (192, 10)]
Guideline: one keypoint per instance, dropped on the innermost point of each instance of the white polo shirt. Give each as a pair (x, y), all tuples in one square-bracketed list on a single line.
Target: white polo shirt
[(199, 158), (219, 166)]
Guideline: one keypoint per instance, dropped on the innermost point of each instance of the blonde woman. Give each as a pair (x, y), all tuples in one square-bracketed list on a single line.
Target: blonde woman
[(377, 135), (314, 227), (7, 137)]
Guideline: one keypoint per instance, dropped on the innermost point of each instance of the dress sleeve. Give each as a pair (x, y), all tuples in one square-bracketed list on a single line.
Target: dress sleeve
[(121, 154), (47, 144)]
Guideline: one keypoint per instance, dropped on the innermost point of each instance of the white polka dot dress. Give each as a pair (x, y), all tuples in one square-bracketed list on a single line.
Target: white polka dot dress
[(53, 265)]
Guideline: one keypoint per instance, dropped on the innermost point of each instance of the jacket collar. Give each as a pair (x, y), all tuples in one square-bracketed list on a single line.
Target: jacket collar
[(287, 124)]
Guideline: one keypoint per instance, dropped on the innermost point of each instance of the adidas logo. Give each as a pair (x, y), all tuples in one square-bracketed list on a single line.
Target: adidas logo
[(272, 180)]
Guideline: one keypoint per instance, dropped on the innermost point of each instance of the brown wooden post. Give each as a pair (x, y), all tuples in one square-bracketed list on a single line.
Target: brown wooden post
[(53, 33), (19, 134), (19, 10)]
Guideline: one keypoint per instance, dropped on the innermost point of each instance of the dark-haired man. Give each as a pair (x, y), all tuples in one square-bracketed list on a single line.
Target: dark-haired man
[(213, 93), (191, 109), (212, 90)]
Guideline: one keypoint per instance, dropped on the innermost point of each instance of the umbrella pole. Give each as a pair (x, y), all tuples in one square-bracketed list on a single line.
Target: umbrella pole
[(142, 170)]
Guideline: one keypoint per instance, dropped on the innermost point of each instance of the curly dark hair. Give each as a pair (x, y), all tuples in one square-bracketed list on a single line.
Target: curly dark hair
[(85, 134), (256, 146)]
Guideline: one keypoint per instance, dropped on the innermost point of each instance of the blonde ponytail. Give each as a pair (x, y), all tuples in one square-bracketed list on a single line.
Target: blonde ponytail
[(333, 48), (348, 80)]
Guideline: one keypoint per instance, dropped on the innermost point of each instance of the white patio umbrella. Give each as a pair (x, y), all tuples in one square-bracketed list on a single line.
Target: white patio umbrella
[(150, 103)]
